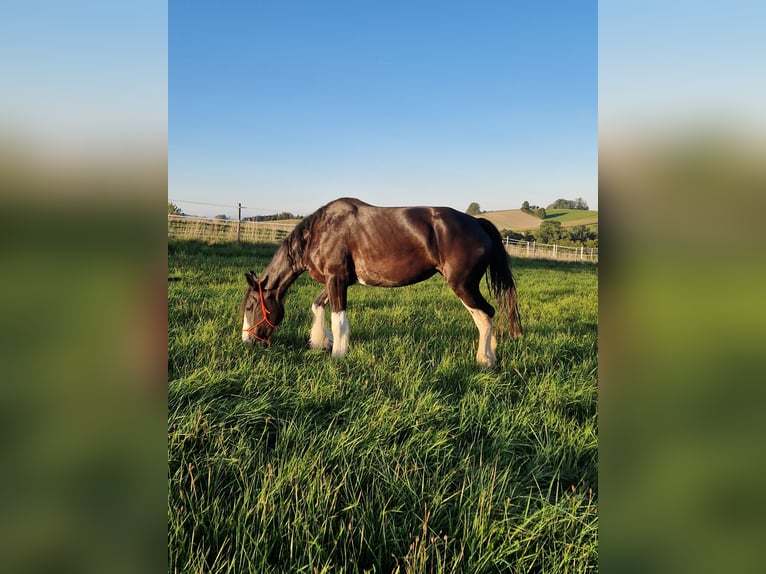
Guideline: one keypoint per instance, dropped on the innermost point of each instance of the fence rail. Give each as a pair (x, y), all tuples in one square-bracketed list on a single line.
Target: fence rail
[(520, 248), (224, 230)]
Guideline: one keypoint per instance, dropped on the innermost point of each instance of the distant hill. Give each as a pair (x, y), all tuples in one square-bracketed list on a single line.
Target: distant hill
[(518, 220), (570, 217)]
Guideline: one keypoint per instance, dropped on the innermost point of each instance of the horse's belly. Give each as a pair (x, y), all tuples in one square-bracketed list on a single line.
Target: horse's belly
[(392, 273)]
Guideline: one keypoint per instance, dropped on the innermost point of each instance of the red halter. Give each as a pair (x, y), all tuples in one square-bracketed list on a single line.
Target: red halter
[(264, 319)]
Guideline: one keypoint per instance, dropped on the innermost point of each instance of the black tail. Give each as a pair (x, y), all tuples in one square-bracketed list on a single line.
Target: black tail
[(500, 280)]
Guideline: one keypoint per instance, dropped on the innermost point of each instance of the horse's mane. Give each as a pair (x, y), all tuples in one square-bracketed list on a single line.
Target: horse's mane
[(295, 243)]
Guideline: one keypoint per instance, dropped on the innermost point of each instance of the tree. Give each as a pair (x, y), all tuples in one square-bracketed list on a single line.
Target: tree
[(473, 209), (579, 234), (526, 207), (220, 216), (562, 204), (540, 212), (549, 231), (173, 209), (578, 203)]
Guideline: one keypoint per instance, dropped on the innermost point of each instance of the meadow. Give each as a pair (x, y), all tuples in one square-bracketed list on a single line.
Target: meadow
[(518, 220), (569, 217), (403, 457)]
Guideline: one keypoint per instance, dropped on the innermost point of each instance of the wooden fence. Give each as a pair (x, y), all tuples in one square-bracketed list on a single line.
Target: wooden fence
[(520, 248), (225, 230)]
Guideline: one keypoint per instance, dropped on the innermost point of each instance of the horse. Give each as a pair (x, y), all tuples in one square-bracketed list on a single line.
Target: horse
[(349, 242)]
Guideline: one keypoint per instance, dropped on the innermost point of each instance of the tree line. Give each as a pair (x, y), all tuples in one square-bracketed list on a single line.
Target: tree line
[(552, 232), (173, 209), (540, 212), (276, 217)]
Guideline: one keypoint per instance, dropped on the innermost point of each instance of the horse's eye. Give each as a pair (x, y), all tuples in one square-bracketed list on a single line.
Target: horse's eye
[(249, 307)]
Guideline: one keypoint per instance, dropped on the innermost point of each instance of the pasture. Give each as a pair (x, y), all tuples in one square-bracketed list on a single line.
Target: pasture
[(572, 217), (405, 456), (517, 220)]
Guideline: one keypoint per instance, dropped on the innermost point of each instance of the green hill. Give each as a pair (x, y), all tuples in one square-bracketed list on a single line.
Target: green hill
[(569, 217), (518, 220)]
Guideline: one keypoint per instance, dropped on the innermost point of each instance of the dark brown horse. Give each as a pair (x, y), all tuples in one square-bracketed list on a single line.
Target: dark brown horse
[(348, 241)]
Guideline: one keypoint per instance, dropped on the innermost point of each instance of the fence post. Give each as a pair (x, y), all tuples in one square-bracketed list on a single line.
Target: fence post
[(239, 219)]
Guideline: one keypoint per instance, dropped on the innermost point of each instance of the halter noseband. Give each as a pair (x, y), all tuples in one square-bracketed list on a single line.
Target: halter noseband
[(264, 319)]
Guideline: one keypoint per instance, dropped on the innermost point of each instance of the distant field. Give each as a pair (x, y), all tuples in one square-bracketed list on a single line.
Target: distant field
[(512, 219), (517, 220), (569, 217), (403, 457)]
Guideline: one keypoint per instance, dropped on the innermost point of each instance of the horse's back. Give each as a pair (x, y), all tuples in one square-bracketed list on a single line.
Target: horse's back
[(401, 228)]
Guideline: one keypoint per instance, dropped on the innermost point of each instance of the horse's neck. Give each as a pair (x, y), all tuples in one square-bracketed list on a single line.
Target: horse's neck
[(280, 273)]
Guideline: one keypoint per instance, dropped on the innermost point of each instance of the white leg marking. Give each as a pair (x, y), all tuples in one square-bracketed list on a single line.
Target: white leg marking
[(485, 354), (320, 337), (245, 335), (340, 333)]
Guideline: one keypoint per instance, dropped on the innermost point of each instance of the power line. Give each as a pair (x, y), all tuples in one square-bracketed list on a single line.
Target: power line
[(204, 203), (223, 205)]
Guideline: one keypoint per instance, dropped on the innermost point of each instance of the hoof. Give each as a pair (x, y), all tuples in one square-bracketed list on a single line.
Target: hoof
[(486, 362), (322, 345)]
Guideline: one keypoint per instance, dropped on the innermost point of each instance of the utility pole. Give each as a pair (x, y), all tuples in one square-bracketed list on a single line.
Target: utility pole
[(239, 219)]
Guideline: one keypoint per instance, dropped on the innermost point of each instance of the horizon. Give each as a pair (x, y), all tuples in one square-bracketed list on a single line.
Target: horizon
[(221, 209)]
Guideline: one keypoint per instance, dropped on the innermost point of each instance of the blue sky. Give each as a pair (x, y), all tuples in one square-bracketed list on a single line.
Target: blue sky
[(85, 78), (288, 105), (670, 66)]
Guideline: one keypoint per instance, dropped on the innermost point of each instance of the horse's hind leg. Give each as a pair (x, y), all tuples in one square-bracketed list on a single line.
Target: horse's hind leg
[(485, 353), (320, 337), (481, 313)]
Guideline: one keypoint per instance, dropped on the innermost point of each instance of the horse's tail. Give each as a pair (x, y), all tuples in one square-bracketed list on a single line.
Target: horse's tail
[(500, 279)]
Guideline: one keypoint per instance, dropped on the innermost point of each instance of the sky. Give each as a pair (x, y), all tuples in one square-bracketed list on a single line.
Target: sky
[(84, 78), (670, 66), (285, 106)]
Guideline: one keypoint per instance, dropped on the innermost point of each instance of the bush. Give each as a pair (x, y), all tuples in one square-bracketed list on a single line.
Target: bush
[(473, 209)]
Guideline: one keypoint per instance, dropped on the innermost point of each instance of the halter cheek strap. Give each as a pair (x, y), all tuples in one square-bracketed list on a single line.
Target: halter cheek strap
[(264, 319)]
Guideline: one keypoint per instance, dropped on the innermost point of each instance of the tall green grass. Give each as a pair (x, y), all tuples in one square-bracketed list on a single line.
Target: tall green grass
[(403, 457)]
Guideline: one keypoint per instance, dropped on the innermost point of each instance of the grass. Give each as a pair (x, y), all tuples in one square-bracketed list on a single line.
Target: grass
[(570, 215), (403, 457)]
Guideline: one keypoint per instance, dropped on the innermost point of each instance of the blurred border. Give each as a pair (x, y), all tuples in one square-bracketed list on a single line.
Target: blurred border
[(681, 188), (83, 173)]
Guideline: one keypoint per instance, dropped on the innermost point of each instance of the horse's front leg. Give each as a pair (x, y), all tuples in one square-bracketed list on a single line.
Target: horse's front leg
[(320, 337), (337, 288)]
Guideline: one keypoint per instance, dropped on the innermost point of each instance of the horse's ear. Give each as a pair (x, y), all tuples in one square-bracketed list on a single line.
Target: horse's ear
[(264, 280), (252, 280)]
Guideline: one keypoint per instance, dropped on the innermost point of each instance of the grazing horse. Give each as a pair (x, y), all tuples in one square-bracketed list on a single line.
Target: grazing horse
[(348, 241)]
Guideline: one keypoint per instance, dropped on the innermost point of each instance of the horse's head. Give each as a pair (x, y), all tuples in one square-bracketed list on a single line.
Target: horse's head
[(262, 310)]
